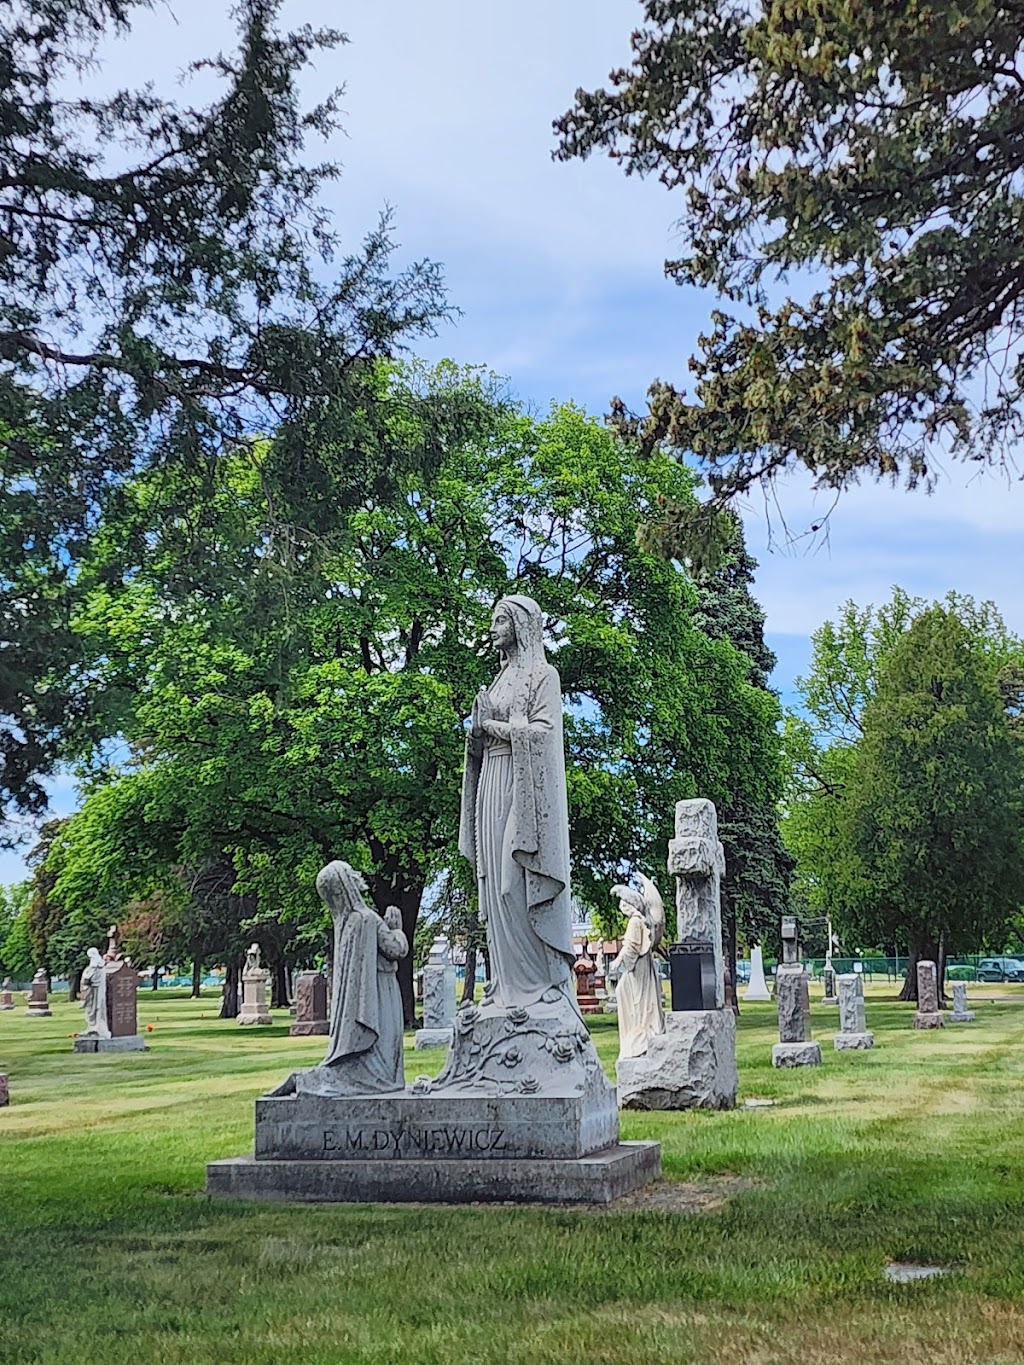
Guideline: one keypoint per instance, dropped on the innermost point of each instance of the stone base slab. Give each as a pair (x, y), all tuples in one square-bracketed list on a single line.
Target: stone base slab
[(929, 1020), (758, 998), (31, 1013), (134, 1043), (433, 1037), (7, 1007), (852, 1042), (830, 999), (966, 1018), (692, 1065), (599, 1178), (796, 1054), (432, 1126), (310, 1028), (255, 1019)]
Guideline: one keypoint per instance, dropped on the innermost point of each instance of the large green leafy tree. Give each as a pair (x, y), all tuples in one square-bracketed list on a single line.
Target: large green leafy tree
[(309, 702), (931, 843), (758, 866), (168, 284), (824, 742), (874, 152)]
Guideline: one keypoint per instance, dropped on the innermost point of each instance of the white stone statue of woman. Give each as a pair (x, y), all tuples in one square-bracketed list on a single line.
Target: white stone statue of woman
[(638, 990), (515, 822), (365, 1055), (94, 996)]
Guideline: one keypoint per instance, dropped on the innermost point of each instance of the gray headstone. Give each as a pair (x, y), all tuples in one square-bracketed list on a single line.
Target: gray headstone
[(794, 1003), (928, 1013), (961, 1014), (853, 1034)]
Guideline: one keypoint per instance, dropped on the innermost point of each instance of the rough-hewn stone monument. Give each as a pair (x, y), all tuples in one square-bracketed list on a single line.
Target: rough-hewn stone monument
[(310, 1006), (522, 1109), (757, 987), (438, 997), (692, 1063), (255, 1009), (853, 1030), (961, 1014), (795, 1046), (928, 1013), (38, 1006)]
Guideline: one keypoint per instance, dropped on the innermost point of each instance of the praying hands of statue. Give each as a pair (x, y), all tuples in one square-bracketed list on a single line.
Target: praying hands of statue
[(483, 711)]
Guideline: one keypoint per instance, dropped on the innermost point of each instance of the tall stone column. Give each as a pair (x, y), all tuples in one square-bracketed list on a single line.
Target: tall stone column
[(438, 997), (853, 1030), (795, 1046), (928, 1013)]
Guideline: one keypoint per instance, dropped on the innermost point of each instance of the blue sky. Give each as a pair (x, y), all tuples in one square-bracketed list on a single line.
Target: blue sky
[(558, 269)]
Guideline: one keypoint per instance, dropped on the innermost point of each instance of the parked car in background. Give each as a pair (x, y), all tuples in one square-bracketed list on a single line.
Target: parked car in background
[(1000, 969), (742, 972)]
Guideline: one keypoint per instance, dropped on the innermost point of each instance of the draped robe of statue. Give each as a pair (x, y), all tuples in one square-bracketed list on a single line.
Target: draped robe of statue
[(94, 996), (637, 990), (365, 1053), (515, 823)]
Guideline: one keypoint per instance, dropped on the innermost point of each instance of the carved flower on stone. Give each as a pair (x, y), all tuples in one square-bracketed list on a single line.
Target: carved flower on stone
[(562, 1048), (512, 1056), (422, 1085), (465, 1018), (515, 1014), (529, 1085)]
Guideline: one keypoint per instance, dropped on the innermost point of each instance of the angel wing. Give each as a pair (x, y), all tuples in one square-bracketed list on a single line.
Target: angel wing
[(654, 910)]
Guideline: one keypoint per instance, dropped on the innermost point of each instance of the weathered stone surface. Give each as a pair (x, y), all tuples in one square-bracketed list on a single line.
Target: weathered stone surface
[(433, 1126), (796, 1054), (5, 1092), (439, 990), (597, 1179), (794, 1002), (692, 1065), (927, 988), (135, 1043), (933, 1019), (851, 1004), (433, 1037), (852, 1042), (255, 1009), (830, 997), (122, 999), (758, 987), (697, 861), (961, 1014), (310, 1006)]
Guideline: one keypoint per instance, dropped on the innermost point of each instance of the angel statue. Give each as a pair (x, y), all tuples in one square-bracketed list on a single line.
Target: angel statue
[(365, 1052), (94, 996), (638, 989)]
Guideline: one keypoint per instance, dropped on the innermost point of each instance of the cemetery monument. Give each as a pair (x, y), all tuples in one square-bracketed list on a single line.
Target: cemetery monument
[(7, 994), (255, 1009), (853, 1030), (757, 987), (928, 1013), (640, 1008), (310, 1006), (522, 1110), (438, 997), (961, 1014), (38, 1006), (692, 1063), (795, 1046), (110, 1001)]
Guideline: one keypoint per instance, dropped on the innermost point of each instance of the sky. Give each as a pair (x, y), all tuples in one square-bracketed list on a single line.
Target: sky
[(557, 271)]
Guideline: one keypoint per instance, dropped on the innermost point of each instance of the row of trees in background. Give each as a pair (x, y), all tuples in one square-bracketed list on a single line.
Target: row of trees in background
[(905, 790)]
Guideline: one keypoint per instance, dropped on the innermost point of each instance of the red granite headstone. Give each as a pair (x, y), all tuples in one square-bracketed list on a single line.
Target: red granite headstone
[(310, 1005), (122, 990)]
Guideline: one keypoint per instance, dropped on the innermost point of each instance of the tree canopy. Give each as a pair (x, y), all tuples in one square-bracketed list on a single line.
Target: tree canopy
[(169, 285), (850, 182), (304, 698)]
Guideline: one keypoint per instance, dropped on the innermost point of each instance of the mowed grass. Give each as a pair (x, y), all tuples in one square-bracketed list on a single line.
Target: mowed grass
[(110, 1251)]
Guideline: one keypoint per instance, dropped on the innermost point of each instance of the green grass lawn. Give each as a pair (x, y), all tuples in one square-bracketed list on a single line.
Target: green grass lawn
[(110, 1252)]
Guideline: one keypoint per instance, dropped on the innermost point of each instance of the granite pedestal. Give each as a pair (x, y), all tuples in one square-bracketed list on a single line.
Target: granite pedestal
[(692, 1065), (853, 1034), (132, 1043), (796, 1054)]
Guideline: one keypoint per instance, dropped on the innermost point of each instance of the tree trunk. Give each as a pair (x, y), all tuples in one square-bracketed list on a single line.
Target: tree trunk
[(156, 978), (729, 925), (229, 1000), (279, 986), (922, 950), (469, 980), (197, 977), (75, 983)]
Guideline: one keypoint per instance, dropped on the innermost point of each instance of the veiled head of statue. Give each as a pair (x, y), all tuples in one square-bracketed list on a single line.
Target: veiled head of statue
[(527, 622), (95, 957), (340, 887)]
